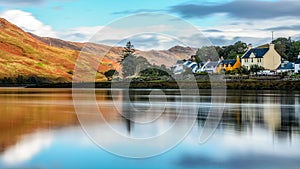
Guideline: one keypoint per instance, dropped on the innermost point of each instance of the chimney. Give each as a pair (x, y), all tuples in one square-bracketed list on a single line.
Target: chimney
[(249, 46), (271, 46)]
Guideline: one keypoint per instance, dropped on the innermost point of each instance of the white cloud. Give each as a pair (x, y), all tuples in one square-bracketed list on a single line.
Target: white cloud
[(28, 22), (27, 148), (256, 30), (225, 31), (79, 34)]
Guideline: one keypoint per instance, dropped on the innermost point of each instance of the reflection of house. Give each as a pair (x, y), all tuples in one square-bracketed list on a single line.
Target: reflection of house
[(262, 56), (229, 65), (285, 66), (272, 112), (297, 65)]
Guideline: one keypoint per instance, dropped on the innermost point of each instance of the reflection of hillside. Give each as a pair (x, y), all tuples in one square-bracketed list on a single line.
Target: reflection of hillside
[(25, 112)]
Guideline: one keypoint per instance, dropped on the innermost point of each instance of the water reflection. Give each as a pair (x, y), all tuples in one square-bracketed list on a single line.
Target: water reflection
[(277, 112), (25, 110), (38, 128)]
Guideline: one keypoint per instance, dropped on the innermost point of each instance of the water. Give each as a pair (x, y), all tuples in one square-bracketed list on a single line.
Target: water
[(259, 129)]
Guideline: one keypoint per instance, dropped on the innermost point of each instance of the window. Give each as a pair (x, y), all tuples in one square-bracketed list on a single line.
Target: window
[(252, 60)]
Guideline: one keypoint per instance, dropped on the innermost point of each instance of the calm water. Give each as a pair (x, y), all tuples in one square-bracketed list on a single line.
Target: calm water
[(259, 130)]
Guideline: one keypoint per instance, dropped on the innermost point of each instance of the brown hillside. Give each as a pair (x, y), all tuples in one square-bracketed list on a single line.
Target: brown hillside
[(26, 54)]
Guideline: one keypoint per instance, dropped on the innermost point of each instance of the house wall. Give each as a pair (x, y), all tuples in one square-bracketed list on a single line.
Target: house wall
[(244, 63), (271, 59), (297, 68), (252, 61), (237, 65)]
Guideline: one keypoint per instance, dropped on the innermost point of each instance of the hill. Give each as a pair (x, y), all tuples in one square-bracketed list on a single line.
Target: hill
[(25, 55)]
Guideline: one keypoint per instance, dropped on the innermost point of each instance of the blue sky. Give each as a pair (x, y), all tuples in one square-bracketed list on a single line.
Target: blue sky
[(222, 22)]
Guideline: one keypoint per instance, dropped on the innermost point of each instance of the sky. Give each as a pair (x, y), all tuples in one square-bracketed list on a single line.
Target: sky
[(222, 22)]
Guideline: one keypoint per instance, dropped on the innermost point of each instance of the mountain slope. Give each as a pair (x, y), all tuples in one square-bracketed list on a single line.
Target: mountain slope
[(22, 54), (157, 57), (28, 55)]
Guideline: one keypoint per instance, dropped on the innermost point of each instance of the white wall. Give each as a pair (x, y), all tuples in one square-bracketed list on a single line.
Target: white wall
[(297, 68)]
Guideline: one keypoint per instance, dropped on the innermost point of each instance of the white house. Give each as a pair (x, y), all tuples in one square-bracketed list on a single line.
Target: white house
[(297, 64), (266, 57), (286, 66), (209, 66)]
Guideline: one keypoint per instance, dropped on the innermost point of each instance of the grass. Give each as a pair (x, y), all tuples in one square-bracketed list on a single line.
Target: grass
[(43, 60)]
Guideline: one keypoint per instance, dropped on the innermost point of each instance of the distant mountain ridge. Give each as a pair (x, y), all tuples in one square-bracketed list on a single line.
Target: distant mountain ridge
[(26, 54)]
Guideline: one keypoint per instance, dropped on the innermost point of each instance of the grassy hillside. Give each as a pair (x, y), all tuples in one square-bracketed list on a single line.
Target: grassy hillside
[(30, 58), (22, 54)]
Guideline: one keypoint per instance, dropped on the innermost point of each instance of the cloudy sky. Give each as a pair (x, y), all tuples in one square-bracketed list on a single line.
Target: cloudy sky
[(223, 22)]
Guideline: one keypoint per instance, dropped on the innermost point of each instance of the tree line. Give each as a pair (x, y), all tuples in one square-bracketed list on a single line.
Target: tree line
[(20, 79), (286, 47), (137, 65)]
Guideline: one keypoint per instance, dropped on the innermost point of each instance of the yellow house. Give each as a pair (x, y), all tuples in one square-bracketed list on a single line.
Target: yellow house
[(229, 65), (265, 57)]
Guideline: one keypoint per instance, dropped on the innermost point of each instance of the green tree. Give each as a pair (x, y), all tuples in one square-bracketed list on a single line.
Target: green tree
[(153, 72), (244, 70), (283, 46), (128, 60), (196, 58), (295, 49), (255, 68), (206, 53), (220, 50), (142, 62), (240, 47), (7, 80), (231, 51), (20, 79), (110, 73)]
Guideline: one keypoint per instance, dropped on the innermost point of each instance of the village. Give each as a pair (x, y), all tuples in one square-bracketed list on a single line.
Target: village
[(259, 61)]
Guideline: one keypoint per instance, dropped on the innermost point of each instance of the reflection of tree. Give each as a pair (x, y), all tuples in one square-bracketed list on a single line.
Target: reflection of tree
[(269, 111), (127, 110), (289, 121)]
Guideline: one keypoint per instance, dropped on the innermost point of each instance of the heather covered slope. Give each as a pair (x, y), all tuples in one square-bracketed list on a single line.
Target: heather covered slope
[(24, 55)]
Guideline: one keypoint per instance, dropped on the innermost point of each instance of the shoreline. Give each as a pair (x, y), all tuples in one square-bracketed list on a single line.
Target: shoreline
[(236, 84)]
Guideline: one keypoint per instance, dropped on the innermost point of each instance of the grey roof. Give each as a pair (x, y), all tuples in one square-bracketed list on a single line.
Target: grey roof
[(192, 65), (258, 52), (226, 62), (286, 66), (212, 64)]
